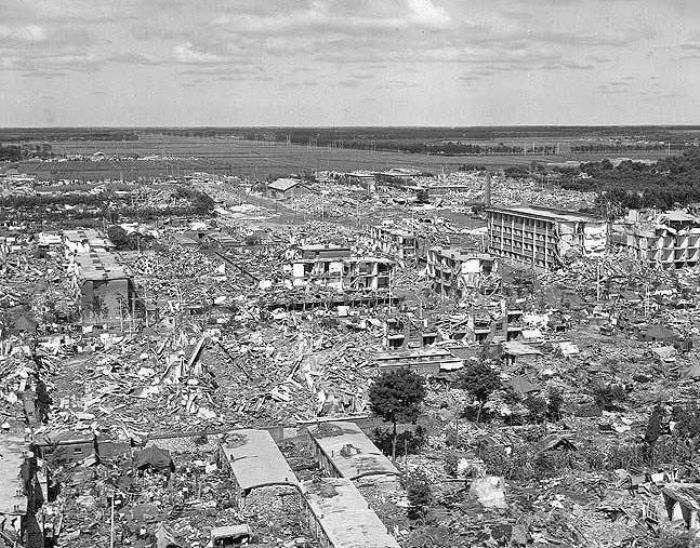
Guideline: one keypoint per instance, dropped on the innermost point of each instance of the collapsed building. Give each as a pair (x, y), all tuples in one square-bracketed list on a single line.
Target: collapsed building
[(396, 243), (338, 268), (542, 237), (673, 243), (85, 240), (106, 290), (363, 179), (284, 188), (454, 272)]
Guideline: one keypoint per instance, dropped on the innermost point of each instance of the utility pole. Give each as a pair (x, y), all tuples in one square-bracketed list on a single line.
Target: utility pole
[(487, 194)]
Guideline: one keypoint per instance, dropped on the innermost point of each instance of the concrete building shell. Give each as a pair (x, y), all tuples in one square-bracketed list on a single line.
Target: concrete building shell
[(398, 244), (541, 237), (453, 271)]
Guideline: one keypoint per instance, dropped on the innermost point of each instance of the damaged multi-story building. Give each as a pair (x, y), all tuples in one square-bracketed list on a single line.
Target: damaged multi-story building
[(396, 243), (338, 268), (673, 243), (455, 272), (543, 238)]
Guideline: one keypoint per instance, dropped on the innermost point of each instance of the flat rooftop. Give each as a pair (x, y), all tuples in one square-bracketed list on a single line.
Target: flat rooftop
[(256, 461), (350, 450), (323, 247), (394, 230), (80, 235), (12, 498), (97, 267), (343, 514), (544, 213), (461, 254), (284, 184)]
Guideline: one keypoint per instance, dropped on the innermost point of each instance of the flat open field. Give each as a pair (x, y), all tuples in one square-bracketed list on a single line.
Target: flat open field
[(255, 159)]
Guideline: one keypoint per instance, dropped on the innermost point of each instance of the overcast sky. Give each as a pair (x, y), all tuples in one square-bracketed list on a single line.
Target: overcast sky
[(349, 62)]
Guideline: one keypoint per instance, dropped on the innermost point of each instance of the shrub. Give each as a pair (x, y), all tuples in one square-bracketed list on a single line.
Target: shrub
[(451, 460), (419, 493), (407, 442), (608, 396), (554, 402), (536, 407)]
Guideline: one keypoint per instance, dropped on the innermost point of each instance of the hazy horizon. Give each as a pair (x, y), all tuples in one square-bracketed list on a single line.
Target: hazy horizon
[(481, 126), (329, 63)]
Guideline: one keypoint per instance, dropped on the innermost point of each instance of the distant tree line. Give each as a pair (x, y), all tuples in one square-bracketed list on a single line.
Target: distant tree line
[(612, 147), (636, 185), (12, 153), (66, 134)]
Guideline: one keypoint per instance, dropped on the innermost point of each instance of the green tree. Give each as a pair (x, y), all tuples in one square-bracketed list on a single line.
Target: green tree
[(418, 492), (536, 407), (554, 402), (654, 425), (480, 380), (119, 237), (397, 395)]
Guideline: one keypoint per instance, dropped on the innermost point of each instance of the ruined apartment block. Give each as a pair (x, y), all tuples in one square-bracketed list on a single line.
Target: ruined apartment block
[(541, 237), (453, 272), (106, 290), (336, 267), (396, 243), (673, 243)]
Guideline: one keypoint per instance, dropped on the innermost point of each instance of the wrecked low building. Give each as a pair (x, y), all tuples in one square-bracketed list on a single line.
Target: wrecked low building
[(255, 461), (85, 240), (284, 188), (344, 451), (106, 290), (18, 496), (363, 179), (424, 361), (543, 238), (340, 517)]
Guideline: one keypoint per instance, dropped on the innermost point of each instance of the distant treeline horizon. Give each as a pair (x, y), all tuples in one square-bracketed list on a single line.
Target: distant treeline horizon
[(324, 136)]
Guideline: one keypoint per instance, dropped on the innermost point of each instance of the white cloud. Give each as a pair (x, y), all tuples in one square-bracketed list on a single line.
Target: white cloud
[(23, 33), (186, 53), (426, 13)]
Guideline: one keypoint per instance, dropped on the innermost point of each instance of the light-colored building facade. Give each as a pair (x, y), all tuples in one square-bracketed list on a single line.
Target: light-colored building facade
[(543, 238)]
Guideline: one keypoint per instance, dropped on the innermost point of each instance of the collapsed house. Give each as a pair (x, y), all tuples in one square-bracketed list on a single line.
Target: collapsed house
[(428, 361), (85, 240), (282, 189), (363, 179), (543, 238)]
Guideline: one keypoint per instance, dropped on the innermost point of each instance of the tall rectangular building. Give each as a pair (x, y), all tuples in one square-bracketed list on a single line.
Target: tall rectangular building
[(542, 237)]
